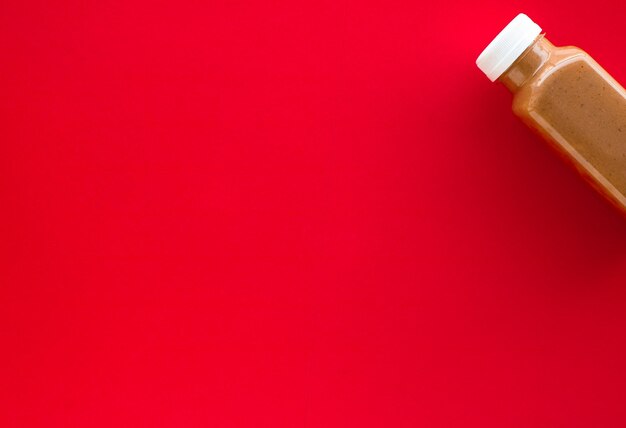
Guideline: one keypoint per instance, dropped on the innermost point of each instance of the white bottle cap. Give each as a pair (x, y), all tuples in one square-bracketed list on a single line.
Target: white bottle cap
[(508, 46)]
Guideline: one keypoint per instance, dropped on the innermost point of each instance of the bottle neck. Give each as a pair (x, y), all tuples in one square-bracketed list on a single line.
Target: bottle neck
[(528, 64)]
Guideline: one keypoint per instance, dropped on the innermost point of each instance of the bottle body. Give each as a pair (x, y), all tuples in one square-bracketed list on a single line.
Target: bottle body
[(575, 105)]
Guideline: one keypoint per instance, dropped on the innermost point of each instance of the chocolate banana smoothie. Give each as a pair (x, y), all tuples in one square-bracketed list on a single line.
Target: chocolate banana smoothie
[(570, 100)]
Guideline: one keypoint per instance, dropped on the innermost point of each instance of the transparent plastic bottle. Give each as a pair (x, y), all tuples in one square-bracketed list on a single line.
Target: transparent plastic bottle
[(563, 94)]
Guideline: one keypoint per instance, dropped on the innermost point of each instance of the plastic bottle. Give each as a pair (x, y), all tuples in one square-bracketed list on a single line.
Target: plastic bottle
[(563, 94)]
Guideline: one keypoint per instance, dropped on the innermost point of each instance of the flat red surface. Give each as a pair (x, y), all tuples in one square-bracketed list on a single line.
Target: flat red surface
[(296, 214)]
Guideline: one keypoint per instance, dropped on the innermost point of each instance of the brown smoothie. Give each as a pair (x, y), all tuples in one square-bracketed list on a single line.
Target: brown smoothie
[(576, 106)]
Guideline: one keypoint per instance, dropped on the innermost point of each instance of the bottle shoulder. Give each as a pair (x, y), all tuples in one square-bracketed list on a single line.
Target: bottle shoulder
[(561, 59)]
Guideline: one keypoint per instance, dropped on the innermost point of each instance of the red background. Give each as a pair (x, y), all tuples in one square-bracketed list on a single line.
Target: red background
[(285, 214)]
